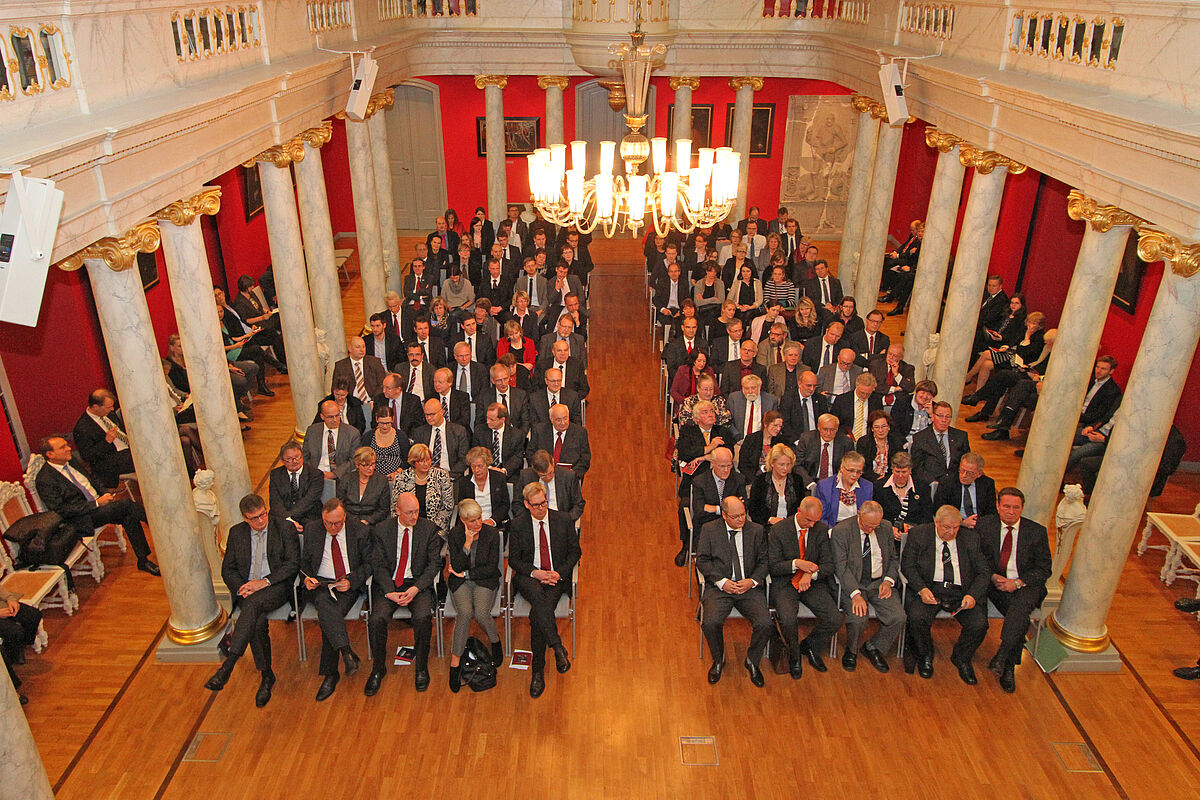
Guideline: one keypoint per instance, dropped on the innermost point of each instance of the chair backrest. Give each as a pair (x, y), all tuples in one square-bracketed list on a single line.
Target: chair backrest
[(36, 462), (13, 504)]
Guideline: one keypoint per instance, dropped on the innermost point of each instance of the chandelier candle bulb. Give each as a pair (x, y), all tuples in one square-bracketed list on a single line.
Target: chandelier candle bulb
[(575, 190), (658, 151), (706, 158), (697, 183), (669, 192), (558, 157), (604, 197), (683, 155), (637, 197), (579, 155), (608, 154)]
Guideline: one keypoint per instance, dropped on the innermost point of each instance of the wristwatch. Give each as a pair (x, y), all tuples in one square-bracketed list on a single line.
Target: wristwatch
[(1020, 583)]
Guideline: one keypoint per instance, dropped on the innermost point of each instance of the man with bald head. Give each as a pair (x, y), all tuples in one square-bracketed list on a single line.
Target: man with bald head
[(448, 442), (838, 377), (406, 556), (574, 376), (867, 570), (731, 557), (708, 490), (407, 413), (801, 562), (553, 393), (363, 372), (329, 446), (566, 442)]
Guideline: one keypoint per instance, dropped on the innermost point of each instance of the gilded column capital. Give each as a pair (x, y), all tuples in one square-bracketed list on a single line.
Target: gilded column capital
[(546, 81), (737, 83), (281, 155), (690, 81), (499, 81), (984, 161), (385, 99), (1101, 218), (866, 105), (119, 253), (1156, 245), (941, 141), (184, 212), (319, 136)]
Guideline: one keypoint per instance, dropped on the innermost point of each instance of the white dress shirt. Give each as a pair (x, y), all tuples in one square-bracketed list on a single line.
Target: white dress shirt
[(327, 570), (939, 572)]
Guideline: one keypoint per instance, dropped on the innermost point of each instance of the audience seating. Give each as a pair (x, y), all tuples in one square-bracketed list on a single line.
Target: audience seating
[(89, 546)]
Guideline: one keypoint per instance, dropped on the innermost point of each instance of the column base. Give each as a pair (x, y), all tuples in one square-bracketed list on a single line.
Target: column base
[(1063, 651), (193, 647)]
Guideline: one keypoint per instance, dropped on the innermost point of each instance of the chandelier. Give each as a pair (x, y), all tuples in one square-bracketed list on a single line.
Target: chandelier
[(684, 198)]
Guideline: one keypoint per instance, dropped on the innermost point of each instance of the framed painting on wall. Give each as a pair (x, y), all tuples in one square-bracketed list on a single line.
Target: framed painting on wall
[(702, 116), (147, 266), (1129, 279), (252, 197), (522, 135), (762, 120)]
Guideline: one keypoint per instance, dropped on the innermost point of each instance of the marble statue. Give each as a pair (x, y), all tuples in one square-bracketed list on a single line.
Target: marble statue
[(1068, 520), (930, 354)]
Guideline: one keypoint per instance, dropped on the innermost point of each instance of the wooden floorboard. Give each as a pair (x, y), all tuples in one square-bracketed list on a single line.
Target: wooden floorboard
[(111, 722)]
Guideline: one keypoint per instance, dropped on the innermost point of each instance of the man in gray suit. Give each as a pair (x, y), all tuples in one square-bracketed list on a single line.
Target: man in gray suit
[(731, 556), (329, 446), (867, 569), (748, 407)]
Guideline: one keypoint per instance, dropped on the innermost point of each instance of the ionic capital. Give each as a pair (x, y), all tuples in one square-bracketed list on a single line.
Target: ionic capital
[(118, 253), (545, 82), (319, 136), (1101, 218), (866, 105), (184, 212), (281, 155), (940, 140), (985, 161), (1156, 245), (690, 81), (499, 81), (737, 83)]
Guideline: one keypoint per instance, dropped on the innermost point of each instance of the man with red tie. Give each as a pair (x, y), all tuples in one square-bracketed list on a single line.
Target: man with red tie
[(893, 374), (543, 552), (819, 452), (406, 556), (1018, 551), (394, 315), (801, 561)]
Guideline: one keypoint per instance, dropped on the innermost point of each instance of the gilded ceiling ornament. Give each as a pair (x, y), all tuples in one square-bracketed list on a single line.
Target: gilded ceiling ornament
[(754, 83), (690, 81), (281, 155), (985, 161), (940, 140), (1156, 245), (557, 81), (1101, 218), (380, 101), (118, 253), (318, 136), (491, 80), (184, 212)]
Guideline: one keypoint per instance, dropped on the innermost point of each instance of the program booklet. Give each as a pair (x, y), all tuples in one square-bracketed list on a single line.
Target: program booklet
[(521, 659), (404, 656)]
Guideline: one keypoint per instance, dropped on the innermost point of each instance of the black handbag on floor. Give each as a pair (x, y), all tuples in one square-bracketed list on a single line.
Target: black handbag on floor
[(476, 666)]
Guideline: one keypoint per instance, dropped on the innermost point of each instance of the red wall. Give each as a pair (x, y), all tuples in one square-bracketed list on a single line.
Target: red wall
[(1012, 226), (243, 244), (1056, 240), (335, 163), (914, 180)]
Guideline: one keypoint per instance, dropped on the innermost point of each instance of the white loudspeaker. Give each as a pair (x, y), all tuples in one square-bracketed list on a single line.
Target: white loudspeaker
[(893, 94), (360, 90), (28, 226)]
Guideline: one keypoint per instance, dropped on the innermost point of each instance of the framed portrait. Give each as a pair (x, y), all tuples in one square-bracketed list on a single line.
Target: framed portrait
[(252, 192), (762, 121), (1129, 279), (522, 135), (147, 266), (702, 115)]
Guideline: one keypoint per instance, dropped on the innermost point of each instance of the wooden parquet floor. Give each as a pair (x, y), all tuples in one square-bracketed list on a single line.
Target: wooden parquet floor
[(113, 723)]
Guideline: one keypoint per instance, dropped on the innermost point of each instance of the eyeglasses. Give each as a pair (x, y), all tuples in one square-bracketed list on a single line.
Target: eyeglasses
[(532, 504)]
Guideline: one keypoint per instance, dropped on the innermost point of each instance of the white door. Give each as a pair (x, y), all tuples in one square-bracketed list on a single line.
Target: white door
[(414, 126), (595, 121)]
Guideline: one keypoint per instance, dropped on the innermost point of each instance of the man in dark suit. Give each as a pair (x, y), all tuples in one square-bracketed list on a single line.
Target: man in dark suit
[(456, 405), (506, 443), (329, 445), (416, 375), (101, 441), (900, 264), (334, 565), (992, 310), (407, 411), (708, 490), (870, 341), (481, 343), (946, 571), (360, 368), (970, 491), (801, 561), (937, 450), (733, 371), (680, 348), (250, 313), (495, 287), (433, 348), (893, 376), (573, 374), (543, 551), (418, 286), (867, 568), (261, 561), (470, 377), (1102, 397), (567, 443), (514, 399), (382, 343), (570, 307), (824, 290), (1017, 550), (295, 488), (853, 408), (560, 483), (406, 557), (551, 394), (67, 488), (697, 440), (565, 331), (748, 405), (912, 415), (442, 230), (819, 452), (354, 413), (801, 406), (823, 350), (726, 345), (731, 557), (448, 442)]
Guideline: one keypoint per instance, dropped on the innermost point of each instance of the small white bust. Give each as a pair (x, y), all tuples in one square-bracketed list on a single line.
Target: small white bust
[(930, 354), (203, 495), (1071, 509)]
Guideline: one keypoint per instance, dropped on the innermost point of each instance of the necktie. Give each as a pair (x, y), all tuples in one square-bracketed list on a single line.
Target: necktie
[(495, 447), (947, 564), (360, 388), (945, 449), (416, 291), (860, 418), (532, 292), (544, 547), (295, 482), (778, 354), (70, 473), (968, 506), (471, 345), (445, 407), (554, 399), (811, 424), (260, 564), (464, 385), (689, 346), (1005, 550), (437, 447), (750, 419), (802, 536), (330, 449), (396, 323), (720, 486), (395, 415), (495, 283), (737, 559), (870, 344), (412, 378), (504, 400), (558, 445), (402, 562), (867, 570), (824, 472), (824, 291), (335, 550), (826, 354)]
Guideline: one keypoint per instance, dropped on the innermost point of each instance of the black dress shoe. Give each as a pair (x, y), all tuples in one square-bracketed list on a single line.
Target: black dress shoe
[(24, 700), (714, 672), (221, 677), (455, 679), (849, 660), (146, 565), (537, 685), (814, 658), (1187, 605), (875, 657), (970, 400), (351, 661), (966, 672), (263, 695), (421, 679), (265, 392), (999, 434), (795, 667), (910, 661), (1008, 680), (373, 681), (756, 676), (1019, 453), (996, 665), (223, 645), (681, 557), (1187, 673), (925, 667), (981, 416), (562, 661), (327, 687), (497, 654), (895, 312)]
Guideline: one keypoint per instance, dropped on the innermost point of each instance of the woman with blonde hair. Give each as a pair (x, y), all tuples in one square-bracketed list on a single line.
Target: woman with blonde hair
[(432, 485), (474, 579)]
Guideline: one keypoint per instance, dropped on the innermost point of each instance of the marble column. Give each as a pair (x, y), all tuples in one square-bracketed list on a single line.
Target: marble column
[(879, 213), (554, 86), (681, 124), (291, 282), (860, 188), (1070, 365), (153, 437), (200, 336), (930, 281), (1135, 447), (366, 218), (384, 197), (497, 171), (970, 268), (743, 111), (22, 775), (318, 244)]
